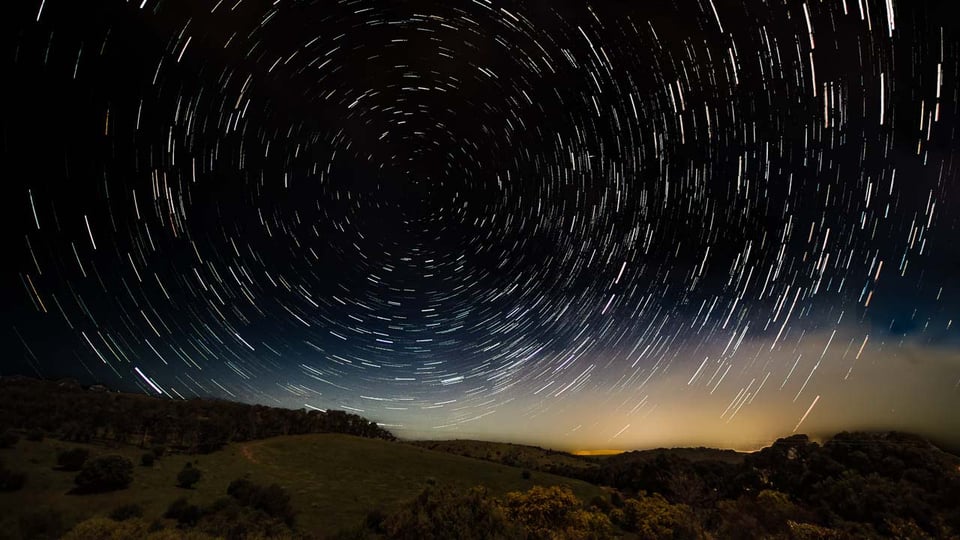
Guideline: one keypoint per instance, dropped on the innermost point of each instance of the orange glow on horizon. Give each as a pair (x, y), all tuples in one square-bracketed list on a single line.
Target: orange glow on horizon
[(596, 452)]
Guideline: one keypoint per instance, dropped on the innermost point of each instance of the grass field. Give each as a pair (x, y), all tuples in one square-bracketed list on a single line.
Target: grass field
[(516, 454), (334, 480)]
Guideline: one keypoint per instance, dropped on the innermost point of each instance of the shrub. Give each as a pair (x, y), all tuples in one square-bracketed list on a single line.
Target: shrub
[(35, 435), (147, 459), (73, 459), (8, 439), (601, 503), (241, 489), (183, 512), (551, 511), (226, 518), (273, 500), (11, 481), (105, 473), (188, 476), (441, 513), (652, 517), (374, 520), (95, 528), (99, 528), (126, 511)]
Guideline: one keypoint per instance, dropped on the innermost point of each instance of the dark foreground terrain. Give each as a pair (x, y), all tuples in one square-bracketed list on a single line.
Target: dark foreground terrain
[(86, 463)]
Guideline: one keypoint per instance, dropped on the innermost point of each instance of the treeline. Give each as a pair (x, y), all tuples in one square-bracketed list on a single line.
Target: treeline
[(855, 485), (71, 412)]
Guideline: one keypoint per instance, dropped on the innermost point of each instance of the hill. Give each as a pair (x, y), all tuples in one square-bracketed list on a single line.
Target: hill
[(333, 479), (85, 414), (255, 472), (518, 455), (596, 469)]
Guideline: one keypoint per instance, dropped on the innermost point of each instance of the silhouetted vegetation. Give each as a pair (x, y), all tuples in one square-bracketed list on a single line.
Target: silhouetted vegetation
[(188, 476), (105, 473), (249, 511), (272, 500), (183, 512), (11, 480), (73, 459), (8, 439), (856, 485), (442, 513), (73, 413)]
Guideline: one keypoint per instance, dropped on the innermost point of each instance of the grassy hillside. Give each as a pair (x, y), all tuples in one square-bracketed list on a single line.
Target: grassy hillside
[(518, 455), (334, 479)]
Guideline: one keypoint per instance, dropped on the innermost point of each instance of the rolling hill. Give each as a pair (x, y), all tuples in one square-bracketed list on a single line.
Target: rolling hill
[(333, 479)]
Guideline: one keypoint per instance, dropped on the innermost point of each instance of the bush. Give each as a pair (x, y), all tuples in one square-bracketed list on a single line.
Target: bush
[(273, 500), (185, 513), (8, 439), (555, 511), (652, 517), (127, 511), (99, 528), (226, 518), (11, 481), (601, 504), (440, 513), (374, 520), (73, 459), (105, 473), (35, 435), (147, 459), (241, 489), (188, 476)]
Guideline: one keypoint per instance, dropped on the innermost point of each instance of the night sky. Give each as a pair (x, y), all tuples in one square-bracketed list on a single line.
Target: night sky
[(583, 225)]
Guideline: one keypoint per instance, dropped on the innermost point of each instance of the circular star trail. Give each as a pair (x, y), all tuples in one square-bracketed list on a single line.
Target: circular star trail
[(598, 223)]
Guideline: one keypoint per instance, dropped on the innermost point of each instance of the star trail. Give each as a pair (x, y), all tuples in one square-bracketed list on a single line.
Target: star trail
[(571, 223)]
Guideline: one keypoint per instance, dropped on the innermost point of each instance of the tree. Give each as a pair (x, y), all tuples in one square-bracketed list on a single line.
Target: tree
[(106, 473), (273, 500), (73, 459), (652, 517), (549, 512), (188, 476), (185, 513), (442, 513)]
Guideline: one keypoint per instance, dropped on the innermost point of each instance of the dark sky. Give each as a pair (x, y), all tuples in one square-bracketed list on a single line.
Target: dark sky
[(609, 224)]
